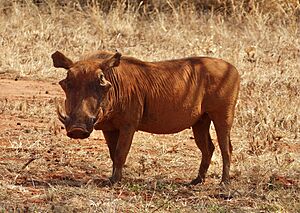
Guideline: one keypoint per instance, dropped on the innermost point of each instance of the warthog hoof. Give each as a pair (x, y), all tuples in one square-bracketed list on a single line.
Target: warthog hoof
[(198, 180)]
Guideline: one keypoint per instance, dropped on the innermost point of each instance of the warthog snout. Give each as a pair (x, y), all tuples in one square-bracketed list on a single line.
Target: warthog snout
[(77, 127), (78, 133)]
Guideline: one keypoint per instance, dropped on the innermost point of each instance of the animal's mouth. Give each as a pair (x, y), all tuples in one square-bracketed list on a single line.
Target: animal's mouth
[(78, 133)]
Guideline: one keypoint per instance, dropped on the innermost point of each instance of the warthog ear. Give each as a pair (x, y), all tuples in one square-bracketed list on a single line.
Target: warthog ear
[(61, 61), (111, 62)]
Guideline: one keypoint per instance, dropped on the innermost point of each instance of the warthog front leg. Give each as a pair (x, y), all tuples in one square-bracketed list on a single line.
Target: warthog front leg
[(119, 153), (111, 138)]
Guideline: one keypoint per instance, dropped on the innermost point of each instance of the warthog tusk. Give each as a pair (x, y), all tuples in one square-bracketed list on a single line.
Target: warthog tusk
[(99, 116), (61, 116)]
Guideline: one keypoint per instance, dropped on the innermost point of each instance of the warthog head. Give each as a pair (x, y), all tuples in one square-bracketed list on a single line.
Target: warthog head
[(85, 87)]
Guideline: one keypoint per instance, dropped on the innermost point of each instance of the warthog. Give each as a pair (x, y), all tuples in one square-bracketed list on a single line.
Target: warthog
[(120, 95)]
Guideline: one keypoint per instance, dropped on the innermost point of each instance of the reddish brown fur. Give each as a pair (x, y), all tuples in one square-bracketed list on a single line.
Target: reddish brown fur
[(158, 97)]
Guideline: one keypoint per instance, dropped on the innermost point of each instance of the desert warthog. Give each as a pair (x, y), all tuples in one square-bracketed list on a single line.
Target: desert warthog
[(120, 95)]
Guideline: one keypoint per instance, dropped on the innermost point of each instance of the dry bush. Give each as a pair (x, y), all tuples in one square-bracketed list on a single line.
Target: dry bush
[(278, 9), (261, 38)]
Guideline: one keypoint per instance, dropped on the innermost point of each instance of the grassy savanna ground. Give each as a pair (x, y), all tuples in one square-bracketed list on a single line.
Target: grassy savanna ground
[(42, 170)]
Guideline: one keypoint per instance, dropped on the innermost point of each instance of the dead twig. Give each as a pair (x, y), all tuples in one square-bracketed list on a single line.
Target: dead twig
[(28, 162)]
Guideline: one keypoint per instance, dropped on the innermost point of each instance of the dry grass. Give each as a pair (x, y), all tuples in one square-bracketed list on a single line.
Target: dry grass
[(64, 175)]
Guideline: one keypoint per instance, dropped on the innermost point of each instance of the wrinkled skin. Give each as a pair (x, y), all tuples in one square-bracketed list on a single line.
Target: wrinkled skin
[(121, 96)]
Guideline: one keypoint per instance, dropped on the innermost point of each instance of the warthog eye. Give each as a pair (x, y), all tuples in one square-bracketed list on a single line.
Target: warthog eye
[(63, 84), (66, 84), (103, 82), (101, 78)]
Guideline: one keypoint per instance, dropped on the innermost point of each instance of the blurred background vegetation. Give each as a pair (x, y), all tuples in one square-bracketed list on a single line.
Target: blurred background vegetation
[(280, 9)]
